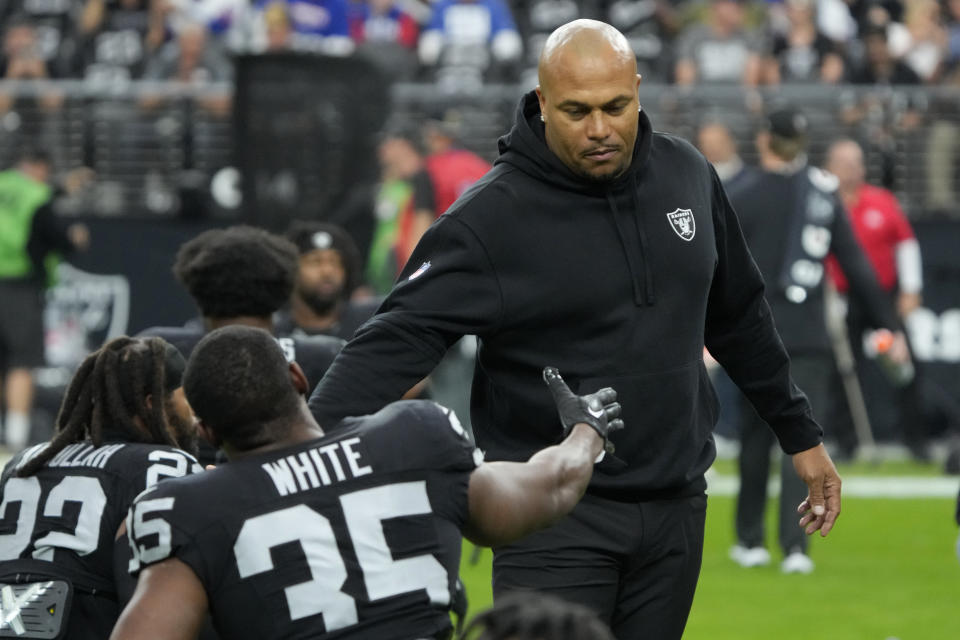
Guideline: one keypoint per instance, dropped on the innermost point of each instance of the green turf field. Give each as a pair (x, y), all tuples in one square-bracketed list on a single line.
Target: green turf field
[(888, 570)]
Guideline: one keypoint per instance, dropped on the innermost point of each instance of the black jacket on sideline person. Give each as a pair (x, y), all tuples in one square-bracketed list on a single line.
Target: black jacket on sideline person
[(763, 201), (548, 269)]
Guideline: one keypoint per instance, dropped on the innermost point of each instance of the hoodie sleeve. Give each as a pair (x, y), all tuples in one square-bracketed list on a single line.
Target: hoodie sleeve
[(741, 335), (447, 290)]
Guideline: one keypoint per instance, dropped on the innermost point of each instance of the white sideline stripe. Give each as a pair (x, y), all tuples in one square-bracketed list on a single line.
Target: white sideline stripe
[(855, 486)]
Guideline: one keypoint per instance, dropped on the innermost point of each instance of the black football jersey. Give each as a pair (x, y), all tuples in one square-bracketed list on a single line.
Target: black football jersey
[(68, 514), (353, 535), (314, 354)]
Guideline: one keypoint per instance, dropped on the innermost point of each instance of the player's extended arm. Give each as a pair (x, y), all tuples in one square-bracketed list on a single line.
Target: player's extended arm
[(168, 604), (509, 500)]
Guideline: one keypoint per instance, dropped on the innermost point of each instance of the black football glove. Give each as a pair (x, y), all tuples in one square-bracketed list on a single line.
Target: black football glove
[(600, 410)]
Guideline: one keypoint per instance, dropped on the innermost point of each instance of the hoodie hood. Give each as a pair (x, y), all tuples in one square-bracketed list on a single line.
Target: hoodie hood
[(525, 147)]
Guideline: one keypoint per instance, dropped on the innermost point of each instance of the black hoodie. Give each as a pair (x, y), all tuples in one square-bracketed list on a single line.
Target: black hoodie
[(616, 285)]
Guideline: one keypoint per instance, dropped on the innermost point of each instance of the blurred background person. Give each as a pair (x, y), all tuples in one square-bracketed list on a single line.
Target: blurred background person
[(720, 50), (791, 219), (802, 53), (467, 41), (328, 274), (451, 170), (387, 34), (29, 234), (887, 239)]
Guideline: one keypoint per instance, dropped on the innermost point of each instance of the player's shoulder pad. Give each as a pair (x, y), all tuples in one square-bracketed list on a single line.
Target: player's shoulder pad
[(328, 344), (826, 182), (412, 434), (151, 463)]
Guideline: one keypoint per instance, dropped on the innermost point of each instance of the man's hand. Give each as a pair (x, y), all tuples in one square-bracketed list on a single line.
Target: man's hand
[(822, 505), (599, 410)]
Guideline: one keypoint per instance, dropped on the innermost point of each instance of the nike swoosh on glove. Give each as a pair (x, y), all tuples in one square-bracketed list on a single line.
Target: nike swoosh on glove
[(600, 409)]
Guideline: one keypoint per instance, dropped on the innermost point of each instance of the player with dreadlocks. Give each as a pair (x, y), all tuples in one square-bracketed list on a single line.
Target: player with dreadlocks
[(123, 425)]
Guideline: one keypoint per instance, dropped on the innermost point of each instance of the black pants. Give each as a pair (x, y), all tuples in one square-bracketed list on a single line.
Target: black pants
[(812, 374), (637, 565)]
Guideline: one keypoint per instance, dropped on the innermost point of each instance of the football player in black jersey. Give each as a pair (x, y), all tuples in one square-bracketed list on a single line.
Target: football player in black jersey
[(124, 424), (243, 275), (353, 534)]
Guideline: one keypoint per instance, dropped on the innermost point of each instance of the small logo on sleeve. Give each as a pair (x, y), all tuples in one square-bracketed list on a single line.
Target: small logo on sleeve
[(683, 223), (420, 271)]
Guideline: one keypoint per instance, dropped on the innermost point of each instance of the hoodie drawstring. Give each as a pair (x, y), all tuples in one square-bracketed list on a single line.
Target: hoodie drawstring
[(642, 284), (630, 255), (641, 225)]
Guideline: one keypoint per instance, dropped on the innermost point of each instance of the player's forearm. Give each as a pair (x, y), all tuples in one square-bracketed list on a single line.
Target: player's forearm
[(567, 469)]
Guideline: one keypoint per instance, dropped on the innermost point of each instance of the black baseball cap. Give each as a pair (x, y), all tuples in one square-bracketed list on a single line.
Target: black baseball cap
[(788, 123)]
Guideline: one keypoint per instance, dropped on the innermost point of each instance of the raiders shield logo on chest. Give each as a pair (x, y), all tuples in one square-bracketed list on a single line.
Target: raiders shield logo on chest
[(683, 223)]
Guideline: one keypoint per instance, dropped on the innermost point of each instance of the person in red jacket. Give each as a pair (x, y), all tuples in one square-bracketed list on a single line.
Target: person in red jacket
[(451, 170), (885, 235)]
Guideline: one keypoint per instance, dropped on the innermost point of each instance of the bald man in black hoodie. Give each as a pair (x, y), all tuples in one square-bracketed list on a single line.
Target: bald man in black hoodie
[(608, 249)]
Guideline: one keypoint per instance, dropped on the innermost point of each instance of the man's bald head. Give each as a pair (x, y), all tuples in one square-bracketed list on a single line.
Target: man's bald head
[(845, 160), (588, 99), (583, 42)]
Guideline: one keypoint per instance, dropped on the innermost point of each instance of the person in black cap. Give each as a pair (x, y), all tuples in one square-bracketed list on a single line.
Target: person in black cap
[(328, 274), (792, 217)]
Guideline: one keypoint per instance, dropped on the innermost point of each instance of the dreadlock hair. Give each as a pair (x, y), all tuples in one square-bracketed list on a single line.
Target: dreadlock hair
[(535, 616), (108, 391), (238, 271)]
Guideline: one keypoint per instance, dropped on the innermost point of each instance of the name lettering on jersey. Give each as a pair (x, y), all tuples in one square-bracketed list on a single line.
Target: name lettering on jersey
[(84, 455), (317, 467)]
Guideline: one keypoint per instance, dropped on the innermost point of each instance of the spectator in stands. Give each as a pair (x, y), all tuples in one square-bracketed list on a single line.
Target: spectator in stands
[(802, 54), (319, 26), (29, 232), (537, 20), (53, 24), (924, 45), (650, 26), (451, 169), (387, 34), (720, 51), (879, 66), (222, 19), (465, 38), (278, 30), (953, 34), (328, 273), (116, 38), (23, 58), (888, 241), (192, 58)]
